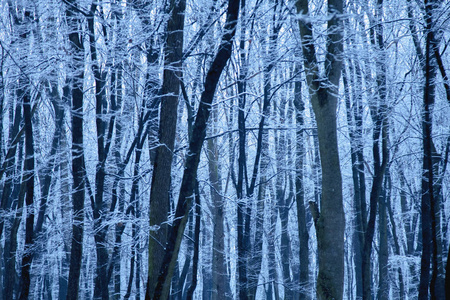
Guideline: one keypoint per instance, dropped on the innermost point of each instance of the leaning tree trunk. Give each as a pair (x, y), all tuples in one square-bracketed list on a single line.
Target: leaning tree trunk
[(195, 144)]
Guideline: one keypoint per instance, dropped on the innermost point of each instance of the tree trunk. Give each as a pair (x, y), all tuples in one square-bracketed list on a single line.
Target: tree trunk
[(383, 252), (161, 178), (282, 199), (28, 180), (323, 90), (303, 234), (193, 286), (78, 166), (242, 204), (355, 136), (220, 279), (100, 235), (428, 202)]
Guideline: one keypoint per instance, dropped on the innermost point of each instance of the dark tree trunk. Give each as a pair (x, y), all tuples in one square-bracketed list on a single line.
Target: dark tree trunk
[(193, 286), (447, 277), (282, 200), (161, 178), (242, 250), (100, 235), (78, 165), (220, 279), (303, 234), (28, 181), (11, 201), (401, 285), (427, 209), (383, 252)]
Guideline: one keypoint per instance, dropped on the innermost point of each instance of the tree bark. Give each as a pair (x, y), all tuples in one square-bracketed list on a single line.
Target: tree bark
[(354, 120), (303, 233), (383, 253), (161, 178), (78, 165), (242, 204), (429, 231), (28, 179), (220, 279), (323, 90), (193, 286)]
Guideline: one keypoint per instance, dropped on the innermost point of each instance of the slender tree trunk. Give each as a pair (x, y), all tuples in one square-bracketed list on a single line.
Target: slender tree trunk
[(356, 151), (303, 233), (401, 292), (220, 279), (193, 286), (10, 200), (447, 276), (78, 165), (272, 289), (100, 235), (428, 219), (383, 252), (11, 249), (28, 179), (282, 200), (242, 250)]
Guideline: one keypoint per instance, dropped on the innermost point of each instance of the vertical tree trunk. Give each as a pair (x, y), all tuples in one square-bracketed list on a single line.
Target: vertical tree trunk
[(242, 250), (401, 289), (383, 252), (100, 235), (161, 178), (118, 189), (28, 179), (282, 199), (303, 234), (192, 287), (78, 166), (447, 276), (323, 90), (427, 209), (272, 284), (220, 279), (355, 129)]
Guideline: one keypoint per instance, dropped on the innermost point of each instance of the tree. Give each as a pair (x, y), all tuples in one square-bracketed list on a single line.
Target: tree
[(299, 192), (323, 90), (78, 164), (161, 179)]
